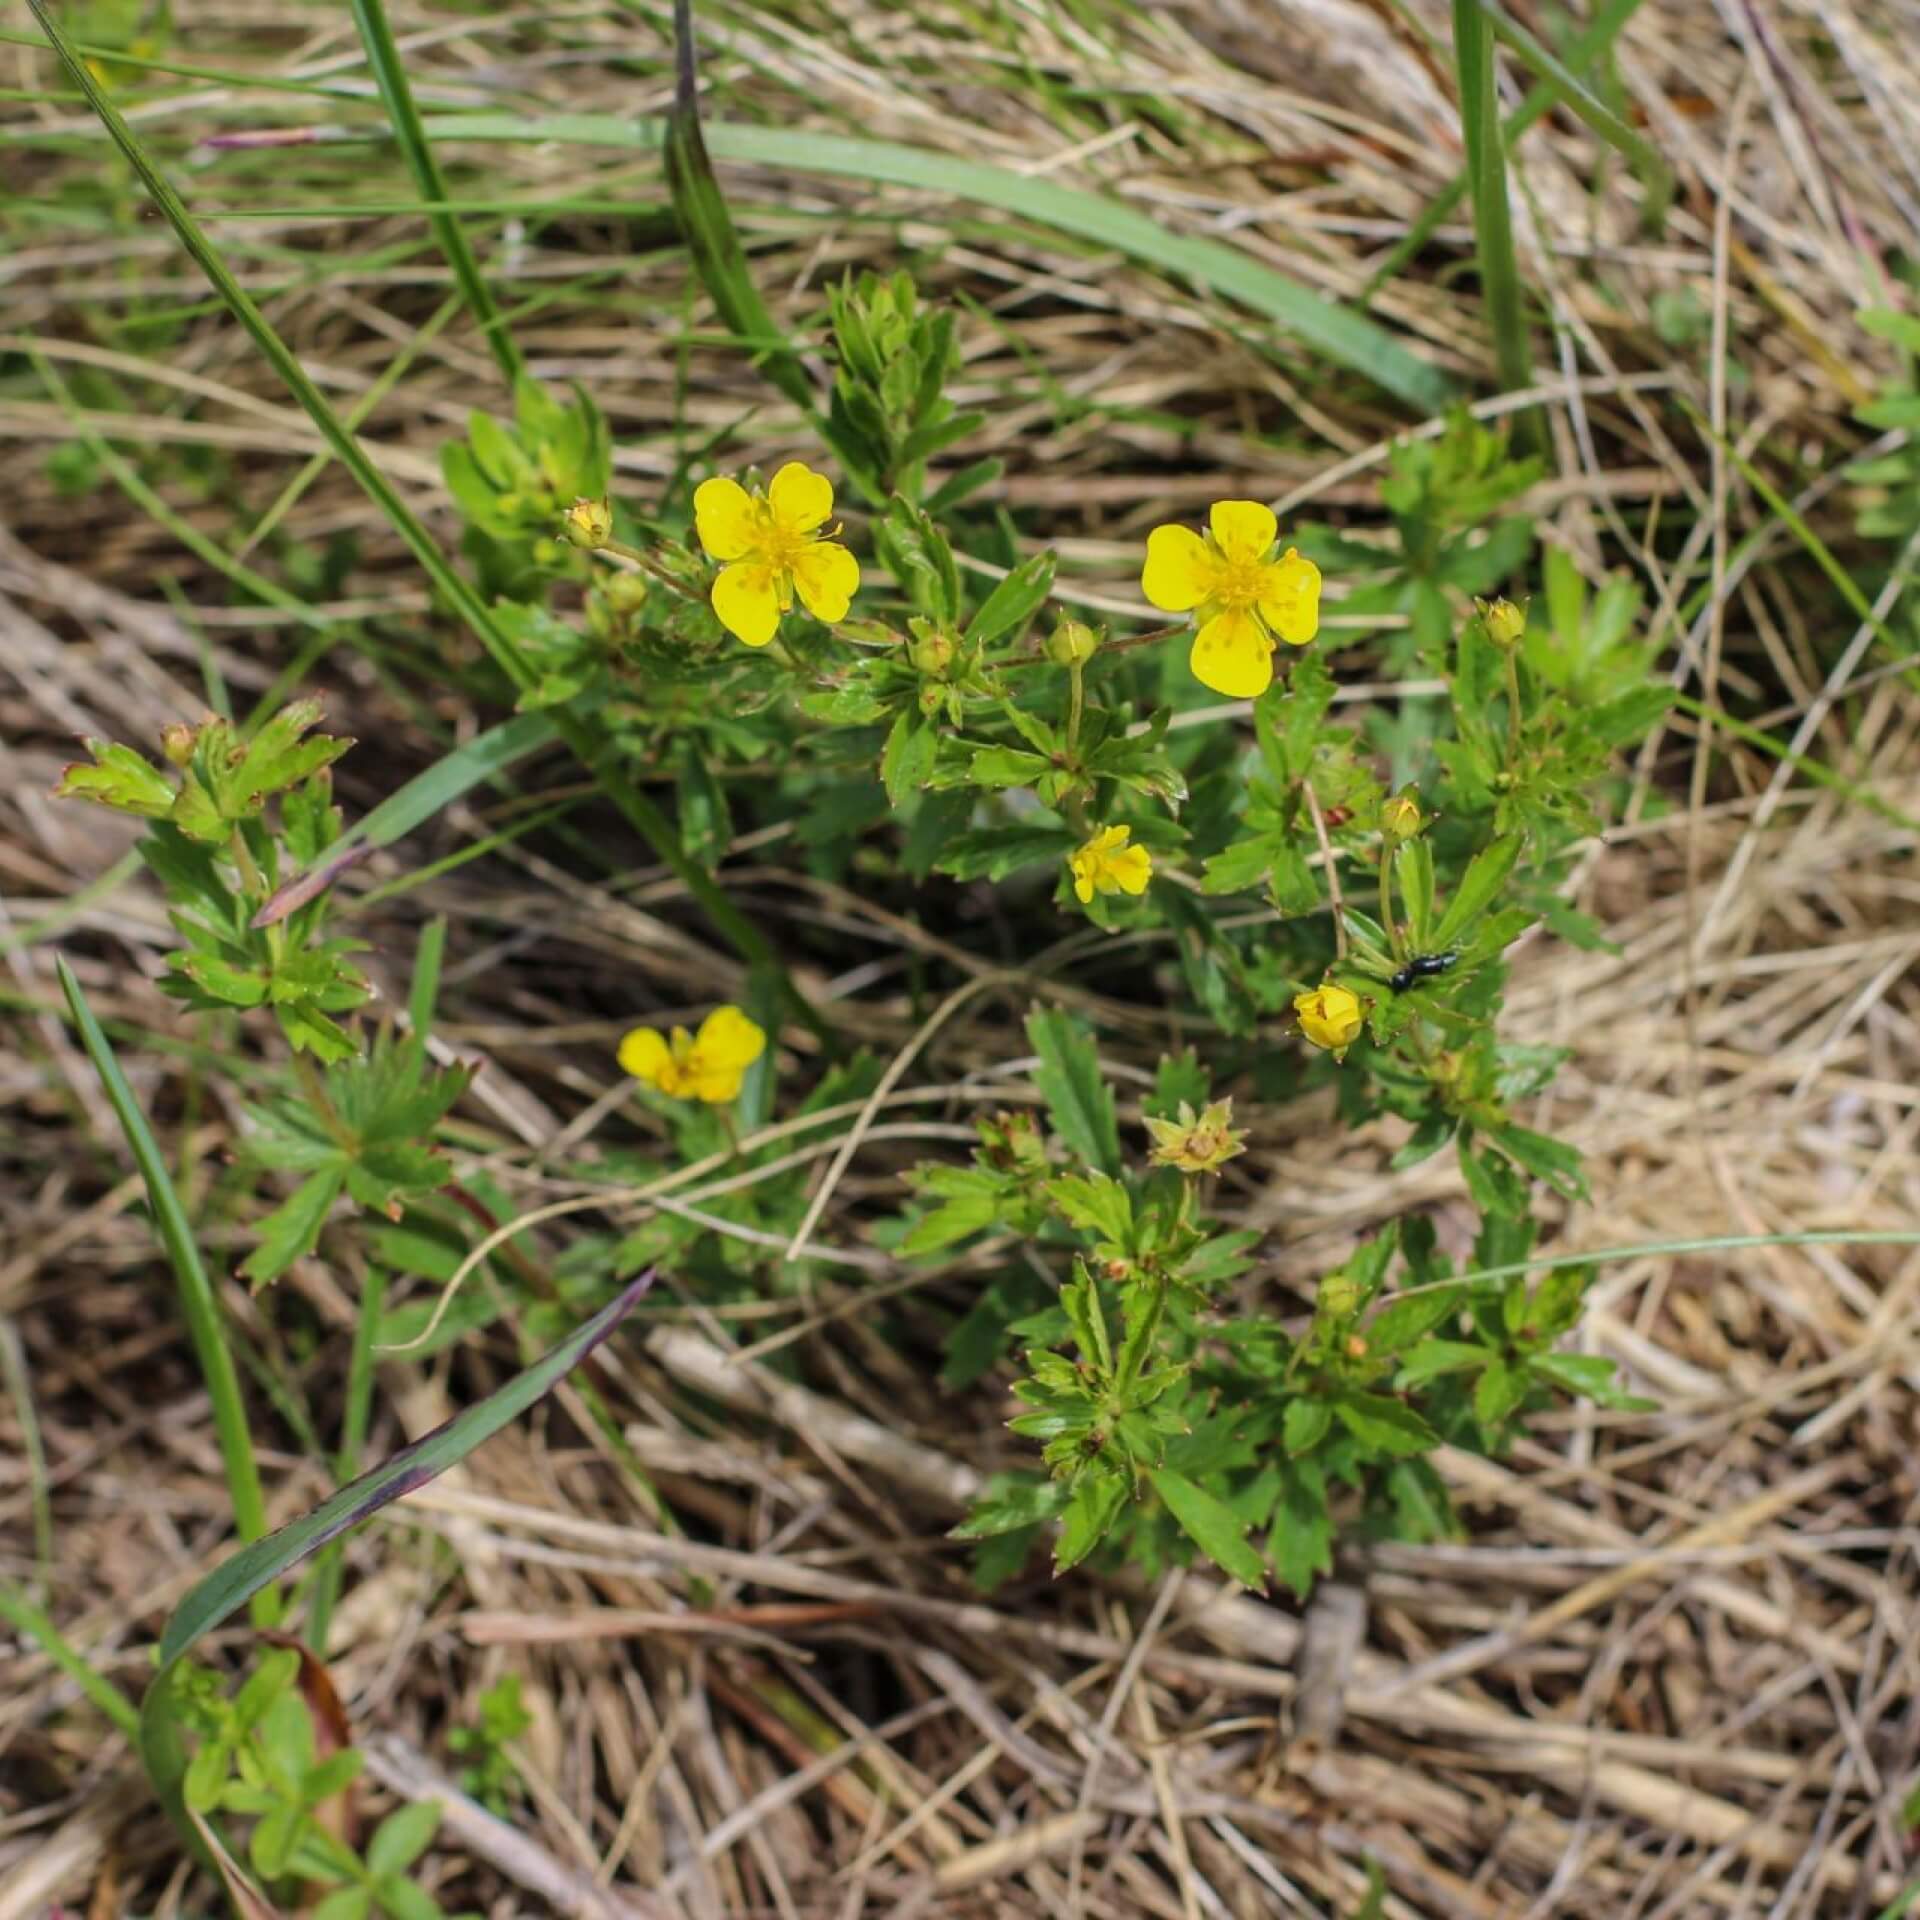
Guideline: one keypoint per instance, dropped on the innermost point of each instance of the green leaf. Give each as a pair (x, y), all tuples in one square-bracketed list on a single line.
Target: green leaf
[(1592, 1375), (1384, 1424), (345, 1903), (1553, 1161), (1401, 1322), (1498, 1391), (120, 778), (1094, 1204), (1305, 1425), (1486, 874), (1413, 870), (1432, 1358), (1078, 1099), (1300, 1542), (908, 757), (402, 1837), (1091, 1509), (1007, 767), (293, 1227), (991, 853), (1011, 1501), (1212, 1526), (1013, 601)]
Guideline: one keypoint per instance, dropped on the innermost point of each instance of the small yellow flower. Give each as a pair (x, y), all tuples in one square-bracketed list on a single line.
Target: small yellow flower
[(708, 1066), (588, 523), (770, 546), (1106, 864), (1329, 1016), (1241, 596), (1197, 1142)]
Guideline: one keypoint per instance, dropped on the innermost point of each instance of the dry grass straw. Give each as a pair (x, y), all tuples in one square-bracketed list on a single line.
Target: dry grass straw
[(1671, 1673)]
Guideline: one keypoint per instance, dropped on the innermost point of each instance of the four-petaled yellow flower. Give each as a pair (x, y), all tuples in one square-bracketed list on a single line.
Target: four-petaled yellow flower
[(770, 546), (1242, 597), (1106, 864), (1330, 1016), (708, 1066)]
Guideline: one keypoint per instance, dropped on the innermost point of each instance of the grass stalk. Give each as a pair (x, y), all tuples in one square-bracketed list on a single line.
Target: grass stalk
[(24, 1617), (390, 74), (198, 1306)]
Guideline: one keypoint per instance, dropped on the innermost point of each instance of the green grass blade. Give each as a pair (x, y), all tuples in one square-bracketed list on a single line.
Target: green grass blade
[(390, 74), (449, 777), (584, 736), (197, 1305), (257, 1566), (24, 1617), (1339, 333), (163, 1742), (1569, 93), (1487, 173), (1585, 48)]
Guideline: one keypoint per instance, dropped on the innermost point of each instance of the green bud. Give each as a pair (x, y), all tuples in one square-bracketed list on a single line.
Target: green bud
[(589, 523), (1072, 644), (932, 652), (1505, 623), (1400, 817)]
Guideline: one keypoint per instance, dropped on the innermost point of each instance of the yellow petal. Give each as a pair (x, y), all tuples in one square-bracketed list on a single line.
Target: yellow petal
[(827, 576), (1242, 529), (1290, 598), (745, 598), (726, 518), (1081, 867), (728, 1039), (1233, 656), (644, 1054), (715, 1085), (801, 499), (1110, 839), (1132, 869), (1179, 572)]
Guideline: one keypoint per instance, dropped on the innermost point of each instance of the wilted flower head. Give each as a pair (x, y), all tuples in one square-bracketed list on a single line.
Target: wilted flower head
[(589, 523), (1197, 1143)]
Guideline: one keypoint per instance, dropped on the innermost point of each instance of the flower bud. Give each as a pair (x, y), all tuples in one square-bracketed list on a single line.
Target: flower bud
[(931, 652), (1400, 817), (1330, 1016), (1072, 644), (1505, 623), (178, 741), (624, 593), (932, 698), (589, 523)]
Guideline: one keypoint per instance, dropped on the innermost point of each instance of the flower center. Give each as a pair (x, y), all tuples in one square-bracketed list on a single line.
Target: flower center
[(776, 546), (1237, 584)]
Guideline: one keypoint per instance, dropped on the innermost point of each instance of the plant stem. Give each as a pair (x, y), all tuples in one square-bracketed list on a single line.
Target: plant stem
[(24, 1617), (325, 1591), (1076, 705), (1386, 899), (1513, 709)]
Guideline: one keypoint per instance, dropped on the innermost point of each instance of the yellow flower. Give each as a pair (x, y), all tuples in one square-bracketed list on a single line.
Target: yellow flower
[(1329, 1016), (1244, 597), (770, 545), (1197, 1142), (1106, 864), (708, 1066)]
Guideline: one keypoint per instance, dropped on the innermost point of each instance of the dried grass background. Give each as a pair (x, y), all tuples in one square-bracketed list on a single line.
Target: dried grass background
[(1671, 1670)]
